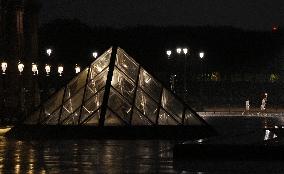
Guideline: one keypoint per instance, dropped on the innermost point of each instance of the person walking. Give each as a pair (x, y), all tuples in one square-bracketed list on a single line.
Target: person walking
[(263, 104), (246, 111)]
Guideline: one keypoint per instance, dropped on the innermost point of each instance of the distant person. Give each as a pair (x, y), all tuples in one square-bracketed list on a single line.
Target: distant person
[(246, 111), (263, 104)]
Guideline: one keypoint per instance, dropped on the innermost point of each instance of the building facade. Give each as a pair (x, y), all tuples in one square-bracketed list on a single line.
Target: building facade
[(18, 42)]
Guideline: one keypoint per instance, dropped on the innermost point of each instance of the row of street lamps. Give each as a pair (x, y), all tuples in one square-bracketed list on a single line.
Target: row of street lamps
[(4, 66), (185, 52)]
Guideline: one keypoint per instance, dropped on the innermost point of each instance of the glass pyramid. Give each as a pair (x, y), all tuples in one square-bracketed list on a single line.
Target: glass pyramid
[(114, 91)]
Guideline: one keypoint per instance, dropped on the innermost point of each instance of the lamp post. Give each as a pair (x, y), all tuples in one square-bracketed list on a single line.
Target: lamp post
[(95, 54), (22, 90), (4, 66), (169, 53), (60, 70), (77, 69), (185, 51), (47, 69), (201, 56), (34, 69), (48, 52), (20, 67), (172, 76)]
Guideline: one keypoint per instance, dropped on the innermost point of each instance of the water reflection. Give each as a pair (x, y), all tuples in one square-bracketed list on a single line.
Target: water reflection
[(85, 156)]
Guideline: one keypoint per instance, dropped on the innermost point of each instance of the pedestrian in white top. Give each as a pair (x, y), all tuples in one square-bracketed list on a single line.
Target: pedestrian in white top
[(263, 103), (247, 107)]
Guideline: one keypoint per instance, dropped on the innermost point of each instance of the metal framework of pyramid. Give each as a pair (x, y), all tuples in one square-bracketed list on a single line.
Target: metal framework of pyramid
[(114, 91)]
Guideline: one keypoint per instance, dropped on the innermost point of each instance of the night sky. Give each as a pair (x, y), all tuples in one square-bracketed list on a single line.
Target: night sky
[(246, 14)]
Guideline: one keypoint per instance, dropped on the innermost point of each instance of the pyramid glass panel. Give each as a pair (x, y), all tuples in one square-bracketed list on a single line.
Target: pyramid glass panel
[(92, 105), (92, 120), (99, 64), (96, 84), (72, 104), (111, 119), (191, 119), (126, 64), (53, 119), (166, 119), (73, 118), (123, 84), (119, 105), (172, 105), (146, 105), (139, 119), (52, 104), (150, 85), (77, 83)]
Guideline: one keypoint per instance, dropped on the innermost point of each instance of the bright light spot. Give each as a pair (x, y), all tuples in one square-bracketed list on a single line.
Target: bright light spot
[(201, 55), (169, 52), (4, 67), (274, 28), (274, 136), (20, 67), (60, 70), (95, 54), (124, 65), (47, 69), (200, 141), (185, 50), (148, 80), (49, 51), (178, 50), (77, 69), (34, 69)]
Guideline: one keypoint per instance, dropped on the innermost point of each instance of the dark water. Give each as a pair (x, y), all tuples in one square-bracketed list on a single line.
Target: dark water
[(86, 156), (127, 156)]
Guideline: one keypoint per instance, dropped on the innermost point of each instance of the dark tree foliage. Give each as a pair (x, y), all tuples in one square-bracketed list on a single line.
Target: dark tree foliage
[(228, 50)]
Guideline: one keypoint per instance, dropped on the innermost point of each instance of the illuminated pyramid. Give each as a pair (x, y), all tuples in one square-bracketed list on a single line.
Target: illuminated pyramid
[(114, 91)]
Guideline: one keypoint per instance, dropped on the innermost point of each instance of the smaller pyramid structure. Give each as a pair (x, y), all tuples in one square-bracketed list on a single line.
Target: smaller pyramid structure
[(114, 91)]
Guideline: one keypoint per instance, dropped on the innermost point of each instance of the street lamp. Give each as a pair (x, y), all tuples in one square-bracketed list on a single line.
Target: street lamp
[(4, 67), (201, 55), (34, 69), (169, 53), (185, 50), (47, 69), (20, 67), (77, 69), (178, 50), (48, 52), (95, 54), (60, 70)]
